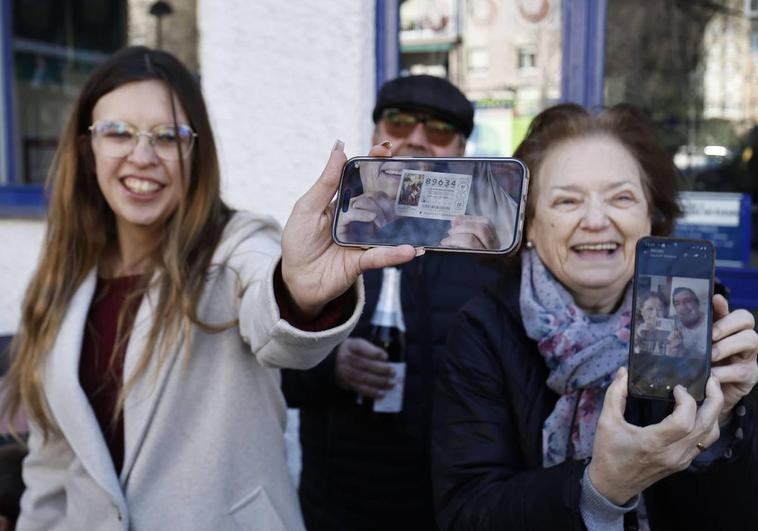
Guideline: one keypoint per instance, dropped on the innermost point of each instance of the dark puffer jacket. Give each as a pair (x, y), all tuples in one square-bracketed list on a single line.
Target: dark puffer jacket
[(363, 471), (490, 406)]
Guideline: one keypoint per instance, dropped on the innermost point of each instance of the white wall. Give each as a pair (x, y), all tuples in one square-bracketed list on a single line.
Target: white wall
[(21, 243), (283, 80)]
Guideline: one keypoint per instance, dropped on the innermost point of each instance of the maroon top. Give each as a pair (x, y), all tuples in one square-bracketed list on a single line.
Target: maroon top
[(100, 378)]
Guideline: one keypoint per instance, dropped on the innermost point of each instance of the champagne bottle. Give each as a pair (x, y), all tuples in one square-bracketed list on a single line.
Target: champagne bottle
[(388, 333)]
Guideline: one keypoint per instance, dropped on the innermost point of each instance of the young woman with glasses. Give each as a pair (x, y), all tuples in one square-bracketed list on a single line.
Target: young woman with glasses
[(152, 326)]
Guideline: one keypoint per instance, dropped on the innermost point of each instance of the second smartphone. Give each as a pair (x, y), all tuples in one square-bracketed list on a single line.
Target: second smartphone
[(673, 317), (449, 204)]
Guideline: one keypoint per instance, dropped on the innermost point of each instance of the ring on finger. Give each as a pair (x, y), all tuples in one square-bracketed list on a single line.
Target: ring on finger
[(701, 446)]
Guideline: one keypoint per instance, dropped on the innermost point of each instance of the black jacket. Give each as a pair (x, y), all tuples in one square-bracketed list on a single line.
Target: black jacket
[(363, 471), (490, 405)]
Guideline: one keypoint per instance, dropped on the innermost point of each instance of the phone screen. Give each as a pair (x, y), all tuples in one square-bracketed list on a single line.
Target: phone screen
[(672, 320), (473, 204)]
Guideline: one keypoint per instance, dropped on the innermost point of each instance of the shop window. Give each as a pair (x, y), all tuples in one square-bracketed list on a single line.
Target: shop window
[(690, 65)]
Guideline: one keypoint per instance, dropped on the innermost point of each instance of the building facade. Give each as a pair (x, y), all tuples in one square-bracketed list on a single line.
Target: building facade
[(282, 81)]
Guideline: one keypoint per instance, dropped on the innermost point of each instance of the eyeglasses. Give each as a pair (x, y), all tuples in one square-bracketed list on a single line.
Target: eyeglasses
[(116, 139), (401, 123)]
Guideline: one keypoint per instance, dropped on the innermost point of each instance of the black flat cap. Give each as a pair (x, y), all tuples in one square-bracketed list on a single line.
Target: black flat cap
[(430, 94)]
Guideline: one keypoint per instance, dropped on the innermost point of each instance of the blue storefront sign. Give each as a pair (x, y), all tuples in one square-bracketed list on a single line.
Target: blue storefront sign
[(722, 218)]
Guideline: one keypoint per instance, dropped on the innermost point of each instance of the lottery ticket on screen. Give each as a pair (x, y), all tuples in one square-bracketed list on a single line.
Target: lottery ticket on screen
[(667, 325), (432, 195)]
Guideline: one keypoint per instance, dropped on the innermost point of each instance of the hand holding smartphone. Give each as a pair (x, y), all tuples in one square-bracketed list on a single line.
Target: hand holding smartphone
[(672, 320), (448, 204)]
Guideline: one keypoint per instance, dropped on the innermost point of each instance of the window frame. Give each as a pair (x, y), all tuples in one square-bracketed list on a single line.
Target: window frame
[(16, 200), (19, 199), (522, 53)]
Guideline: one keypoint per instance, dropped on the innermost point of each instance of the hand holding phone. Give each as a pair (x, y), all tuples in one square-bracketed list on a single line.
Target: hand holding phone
[(627, 459), (314, 269), (450, 204), (672, 321)]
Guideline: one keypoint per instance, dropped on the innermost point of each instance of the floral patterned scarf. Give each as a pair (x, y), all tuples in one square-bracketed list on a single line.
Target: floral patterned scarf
[(581, 353)]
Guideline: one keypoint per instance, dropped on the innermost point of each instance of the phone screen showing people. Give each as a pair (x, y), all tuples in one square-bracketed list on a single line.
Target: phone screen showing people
[(671, 324), (470, 204)]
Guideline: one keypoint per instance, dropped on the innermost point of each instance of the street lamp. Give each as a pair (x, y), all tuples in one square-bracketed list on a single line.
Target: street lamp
[(159, 10)]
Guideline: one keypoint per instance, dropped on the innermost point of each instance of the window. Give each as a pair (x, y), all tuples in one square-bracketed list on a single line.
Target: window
[(49, 47), (478, 61), (527, 58), (55, 46), (689, 64), (429, 34)]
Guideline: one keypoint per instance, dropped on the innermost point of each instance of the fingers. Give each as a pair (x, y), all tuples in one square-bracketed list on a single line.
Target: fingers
[(381, 150), (707, 416), (615, 396), (742, 371), (366, 209), (379, 203), (362, 367), (714, 401), (364, 382), (379, 257), (481, 228), (720, 307), (358, 214), (378, 370), (365, 349), (374, 208), (688, 423), (744, 342), (475, 224), (681, 421), (377, 373), (732, 323), (321, 193)]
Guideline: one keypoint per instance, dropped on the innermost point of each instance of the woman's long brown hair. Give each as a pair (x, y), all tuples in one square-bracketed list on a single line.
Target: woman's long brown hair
[(81, 229)]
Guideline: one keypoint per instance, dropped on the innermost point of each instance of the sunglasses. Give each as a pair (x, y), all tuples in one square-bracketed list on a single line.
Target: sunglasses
[(401, 123), (117, 139)]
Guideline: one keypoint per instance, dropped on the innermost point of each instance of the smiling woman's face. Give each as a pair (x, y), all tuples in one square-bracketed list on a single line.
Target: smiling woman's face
[(141, 189), (590, 210)]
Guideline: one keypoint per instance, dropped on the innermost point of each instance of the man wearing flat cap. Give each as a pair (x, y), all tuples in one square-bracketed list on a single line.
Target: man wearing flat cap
[(407, 101), (363, 470)]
